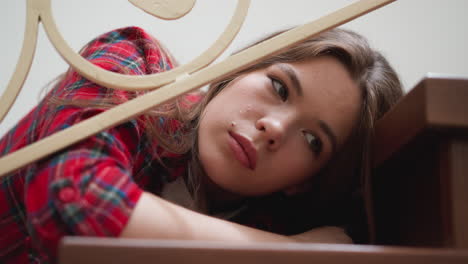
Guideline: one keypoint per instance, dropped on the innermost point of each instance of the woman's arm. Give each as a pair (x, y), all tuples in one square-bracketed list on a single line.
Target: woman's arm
[(153, 217)]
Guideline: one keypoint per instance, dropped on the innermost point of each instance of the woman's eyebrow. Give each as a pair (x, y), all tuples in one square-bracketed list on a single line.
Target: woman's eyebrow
[(329, 132), (292, 76)]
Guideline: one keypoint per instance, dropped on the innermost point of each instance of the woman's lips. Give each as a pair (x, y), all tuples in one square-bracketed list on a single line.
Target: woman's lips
[(243, 150)]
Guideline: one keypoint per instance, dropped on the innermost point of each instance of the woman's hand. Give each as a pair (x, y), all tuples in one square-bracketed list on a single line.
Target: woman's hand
[(326, 234)]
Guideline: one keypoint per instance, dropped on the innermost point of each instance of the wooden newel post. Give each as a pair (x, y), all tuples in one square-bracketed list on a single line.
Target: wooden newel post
[(421, 167)]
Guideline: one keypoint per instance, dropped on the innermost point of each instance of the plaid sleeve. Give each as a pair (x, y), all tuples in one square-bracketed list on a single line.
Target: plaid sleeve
[(88, 188)]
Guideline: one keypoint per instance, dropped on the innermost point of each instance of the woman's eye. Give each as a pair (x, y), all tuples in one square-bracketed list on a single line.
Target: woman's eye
[(315, 144), (280, 89)]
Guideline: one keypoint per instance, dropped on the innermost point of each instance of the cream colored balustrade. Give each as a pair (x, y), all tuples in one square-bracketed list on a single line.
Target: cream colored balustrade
[(196, 73)]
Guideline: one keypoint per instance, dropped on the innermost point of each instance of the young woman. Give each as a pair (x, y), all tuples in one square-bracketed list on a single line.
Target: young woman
[(265, 155)]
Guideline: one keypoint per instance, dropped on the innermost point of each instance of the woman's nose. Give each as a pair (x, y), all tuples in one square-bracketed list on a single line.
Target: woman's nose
[(273, 131)]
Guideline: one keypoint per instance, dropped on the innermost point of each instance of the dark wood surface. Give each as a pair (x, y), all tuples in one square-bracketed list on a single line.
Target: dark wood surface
[(126, 251), (436, 104), (421, 178)]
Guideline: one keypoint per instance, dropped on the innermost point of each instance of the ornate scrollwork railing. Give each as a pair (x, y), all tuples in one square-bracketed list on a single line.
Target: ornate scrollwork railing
[(169, 84)]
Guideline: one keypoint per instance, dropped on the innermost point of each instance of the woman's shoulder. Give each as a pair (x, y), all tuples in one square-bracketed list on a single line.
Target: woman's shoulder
[(128, 50)]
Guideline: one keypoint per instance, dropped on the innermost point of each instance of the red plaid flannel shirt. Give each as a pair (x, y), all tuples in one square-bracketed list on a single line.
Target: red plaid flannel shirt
[(90, 188)]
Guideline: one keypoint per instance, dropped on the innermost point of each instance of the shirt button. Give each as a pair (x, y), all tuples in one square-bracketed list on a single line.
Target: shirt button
[(67, 194)]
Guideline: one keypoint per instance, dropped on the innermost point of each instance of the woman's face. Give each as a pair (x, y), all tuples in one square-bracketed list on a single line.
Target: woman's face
[(271, 129)]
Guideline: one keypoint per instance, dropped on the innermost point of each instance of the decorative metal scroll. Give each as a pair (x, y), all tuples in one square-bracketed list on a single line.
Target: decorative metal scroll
[(170, 84)]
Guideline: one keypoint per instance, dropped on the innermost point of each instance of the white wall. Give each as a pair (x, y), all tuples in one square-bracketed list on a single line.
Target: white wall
[(417, 36)]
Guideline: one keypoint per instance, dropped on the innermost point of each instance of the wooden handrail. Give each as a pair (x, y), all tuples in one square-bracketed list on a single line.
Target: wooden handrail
[(107, 250)]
